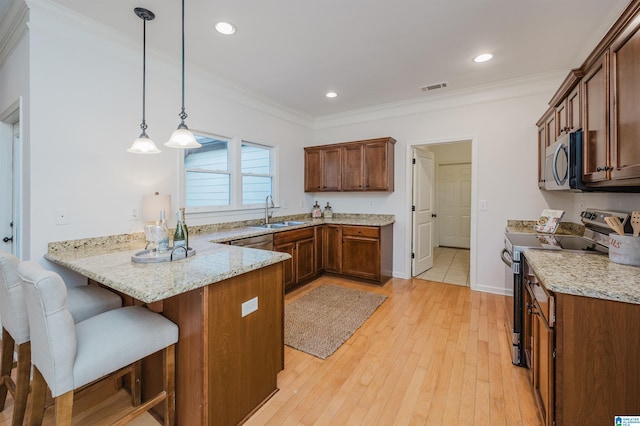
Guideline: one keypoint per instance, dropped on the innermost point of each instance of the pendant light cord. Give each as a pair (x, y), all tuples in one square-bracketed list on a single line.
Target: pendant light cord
[(183, 114), (143, 125)]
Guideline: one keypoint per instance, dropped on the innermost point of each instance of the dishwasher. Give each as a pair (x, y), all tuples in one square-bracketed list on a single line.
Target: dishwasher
[(263, 242)]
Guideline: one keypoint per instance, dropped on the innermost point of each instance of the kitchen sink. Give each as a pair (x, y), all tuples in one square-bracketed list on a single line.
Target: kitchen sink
[(277, 225)]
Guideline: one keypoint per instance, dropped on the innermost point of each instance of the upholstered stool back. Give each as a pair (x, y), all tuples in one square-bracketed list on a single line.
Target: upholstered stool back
[(12, 311)]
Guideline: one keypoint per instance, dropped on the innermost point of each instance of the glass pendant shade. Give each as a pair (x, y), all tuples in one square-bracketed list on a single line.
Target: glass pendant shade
[(182, 137), (144, 145)]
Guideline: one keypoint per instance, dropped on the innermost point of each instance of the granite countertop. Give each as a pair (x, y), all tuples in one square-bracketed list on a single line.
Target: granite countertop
[(107, 260), (585, 274), (151, 282), (526, 227)]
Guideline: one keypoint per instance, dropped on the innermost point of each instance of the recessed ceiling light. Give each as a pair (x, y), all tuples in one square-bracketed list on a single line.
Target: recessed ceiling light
[(225, 28), (331, 95), (483, 57)]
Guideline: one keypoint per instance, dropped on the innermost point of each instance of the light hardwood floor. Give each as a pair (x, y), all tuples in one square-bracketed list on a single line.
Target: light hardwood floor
[(433, 354)]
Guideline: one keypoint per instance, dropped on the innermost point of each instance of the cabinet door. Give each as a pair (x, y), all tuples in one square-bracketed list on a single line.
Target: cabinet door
[(352, 167), (378, 166), (562, 119), (542, 147), (550, 129), (574, 110), (595, 95), (625, 111), (305, 259), (331, 159), (543, 366), (319, 236), (312, 171), (289, 266), (361, 257), (333, 248)]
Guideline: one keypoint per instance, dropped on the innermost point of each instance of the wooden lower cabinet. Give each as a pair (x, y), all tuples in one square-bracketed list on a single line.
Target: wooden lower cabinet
[(226, 364), (584, 351), (300, 244), (333, 249), (364, 252)]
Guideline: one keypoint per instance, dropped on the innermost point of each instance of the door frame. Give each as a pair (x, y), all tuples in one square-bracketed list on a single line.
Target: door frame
[(474, 198), (8, 118)]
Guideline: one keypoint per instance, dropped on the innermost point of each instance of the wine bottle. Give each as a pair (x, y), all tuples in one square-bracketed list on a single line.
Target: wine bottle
[(184, 226), (163, 245), (179, 236)]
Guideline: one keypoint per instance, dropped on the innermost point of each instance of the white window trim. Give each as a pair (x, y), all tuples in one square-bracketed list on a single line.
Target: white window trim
[(239, 211)]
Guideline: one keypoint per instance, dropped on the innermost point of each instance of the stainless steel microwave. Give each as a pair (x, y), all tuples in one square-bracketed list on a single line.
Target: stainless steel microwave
[(563, 164)]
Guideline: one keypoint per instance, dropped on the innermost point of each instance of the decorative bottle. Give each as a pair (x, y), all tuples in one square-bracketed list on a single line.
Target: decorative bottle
[(328, 212), (181, 235), (316, 213), (163, 245)]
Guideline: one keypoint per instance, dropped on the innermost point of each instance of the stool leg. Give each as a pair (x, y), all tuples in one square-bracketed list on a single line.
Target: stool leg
[(135, 385), (5, 365), (64, 409), (38, 393), (22, 383), (169, 376)]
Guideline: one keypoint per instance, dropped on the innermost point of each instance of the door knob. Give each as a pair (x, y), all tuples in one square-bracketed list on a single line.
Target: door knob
[(7, 239)]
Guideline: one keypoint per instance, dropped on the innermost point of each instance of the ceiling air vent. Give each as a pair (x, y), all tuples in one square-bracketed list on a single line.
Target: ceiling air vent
[(431, 87)]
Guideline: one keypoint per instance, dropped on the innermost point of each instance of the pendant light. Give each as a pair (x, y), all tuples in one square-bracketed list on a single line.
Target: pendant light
[(144, 145), (182, 137)]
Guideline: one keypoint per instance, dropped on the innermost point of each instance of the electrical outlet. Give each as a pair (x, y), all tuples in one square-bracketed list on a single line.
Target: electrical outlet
[(62, 216), (134, 214), (249, 306), (371, 203)]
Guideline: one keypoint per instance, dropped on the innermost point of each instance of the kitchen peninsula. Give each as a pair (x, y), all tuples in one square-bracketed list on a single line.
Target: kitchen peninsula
[(226, 363)]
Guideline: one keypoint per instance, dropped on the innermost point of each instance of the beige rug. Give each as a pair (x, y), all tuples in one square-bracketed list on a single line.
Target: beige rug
[(319, 322)]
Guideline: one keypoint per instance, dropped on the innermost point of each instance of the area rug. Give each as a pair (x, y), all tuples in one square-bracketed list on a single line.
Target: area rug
[(319, 322)]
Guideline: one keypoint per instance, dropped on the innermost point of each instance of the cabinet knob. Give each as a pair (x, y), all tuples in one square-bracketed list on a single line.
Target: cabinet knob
[(599, 169)]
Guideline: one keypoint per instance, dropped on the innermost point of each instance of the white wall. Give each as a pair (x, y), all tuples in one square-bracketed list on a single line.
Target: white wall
[(14, 87), (503, 132), (86, 86)]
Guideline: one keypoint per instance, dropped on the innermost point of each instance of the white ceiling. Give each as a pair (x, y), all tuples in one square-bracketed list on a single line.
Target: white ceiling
[(371, 52)]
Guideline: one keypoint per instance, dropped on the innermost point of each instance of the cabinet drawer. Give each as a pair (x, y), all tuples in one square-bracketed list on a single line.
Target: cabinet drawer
[(295, 235), (361, 231)]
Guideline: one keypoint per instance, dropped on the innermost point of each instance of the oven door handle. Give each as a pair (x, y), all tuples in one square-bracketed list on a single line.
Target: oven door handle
[(506, 258)]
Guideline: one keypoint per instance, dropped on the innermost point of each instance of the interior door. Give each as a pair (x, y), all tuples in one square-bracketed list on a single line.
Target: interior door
[(422, 243), (8, 139), (454, 205)]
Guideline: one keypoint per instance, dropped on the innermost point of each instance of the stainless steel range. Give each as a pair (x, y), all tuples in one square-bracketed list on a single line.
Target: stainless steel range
[(594, 240)]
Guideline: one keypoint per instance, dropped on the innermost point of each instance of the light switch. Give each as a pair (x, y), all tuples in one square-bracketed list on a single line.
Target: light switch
[(483, 205)]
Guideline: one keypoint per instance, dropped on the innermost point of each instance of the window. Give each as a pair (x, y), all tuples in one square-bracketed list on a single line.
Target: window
[(227, 174), (255, 163)]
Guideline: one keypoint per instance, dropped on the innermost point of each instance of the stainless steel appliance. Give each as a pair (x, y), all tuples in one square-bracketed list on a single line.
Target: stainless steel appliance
[(594, 240), (563, 164)]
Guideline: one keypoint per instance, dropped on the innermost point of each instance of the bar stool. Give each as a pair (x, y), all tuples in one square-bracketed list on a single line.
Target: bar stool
[(68, 356), (84, 302)]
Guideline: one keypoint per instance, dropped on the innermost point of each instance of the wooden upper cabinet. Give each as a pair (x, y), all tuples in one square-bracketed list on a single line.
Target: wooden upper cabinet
[(574, 110), (352, 166), (322, 169), (625, 106), (595, 98), (378, 165)]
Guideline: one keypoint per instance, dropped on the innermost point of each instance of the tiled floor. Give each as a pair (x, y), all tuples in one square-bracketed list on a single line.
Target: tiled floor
[(450, 265)]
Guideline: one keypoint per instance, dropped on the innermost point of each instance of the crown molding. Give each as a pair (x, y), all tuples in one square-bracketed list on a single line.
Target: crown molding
[(545, 83), (12, 28)]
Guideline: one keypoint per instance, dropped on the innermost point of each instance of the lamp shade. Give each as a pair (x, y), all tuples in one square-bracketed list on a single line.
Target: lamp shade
[(143, 145), (182, 138), (153, 204)]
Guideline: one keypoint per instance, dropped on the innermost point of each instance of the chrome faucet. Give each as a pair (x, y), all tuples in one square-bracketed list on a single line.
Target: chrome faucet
[(267, 215)]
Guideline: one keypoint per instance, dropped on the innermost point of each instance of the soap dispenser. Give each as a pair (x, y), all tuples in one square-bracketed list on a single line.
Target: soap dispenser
[(316, 213), (328, 212)]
